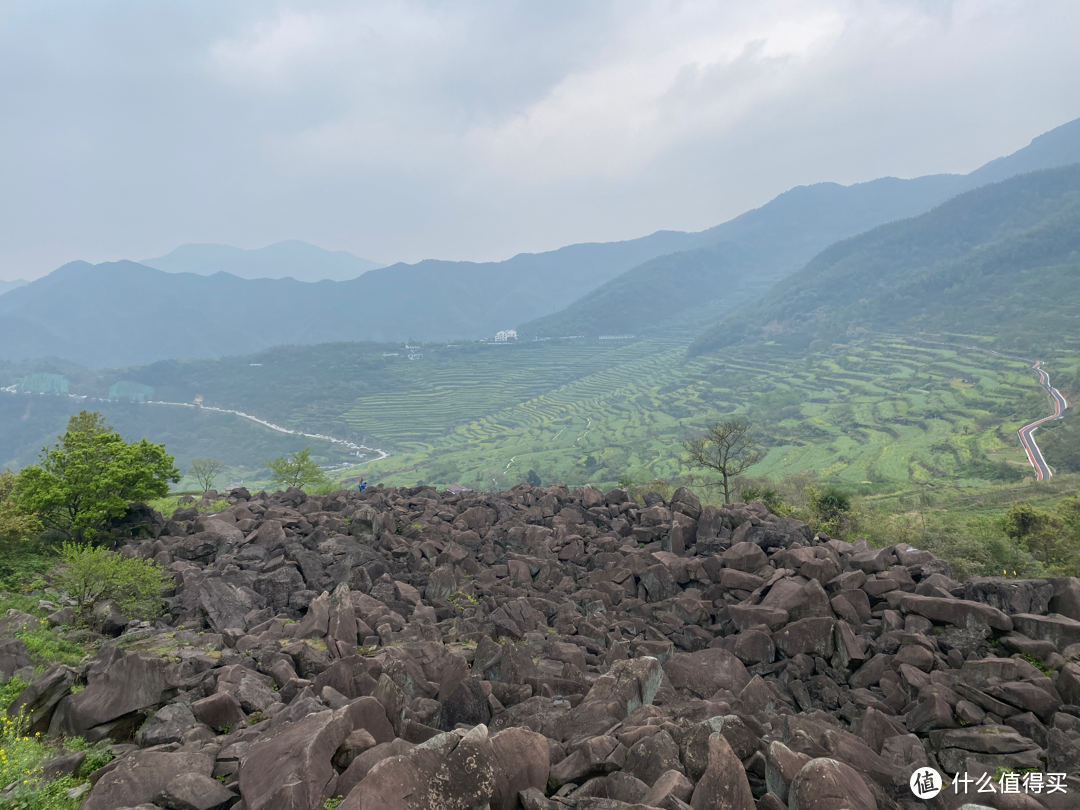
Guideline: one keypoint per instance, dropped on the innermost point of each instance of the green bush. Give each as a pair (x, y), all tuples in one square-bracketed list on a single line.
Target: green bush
[(296, 470), (90, 476), (92, 575)]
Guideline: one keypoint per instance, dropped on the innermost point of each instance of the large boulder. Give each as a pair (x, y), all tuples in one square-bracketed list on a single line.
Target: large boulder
[(141, 777), (724, 785), (13, 656), (825, 784), (957, 612), (38, 701), (292, 769), (118, 686), (449, 772), (627, 685), (521, 762)]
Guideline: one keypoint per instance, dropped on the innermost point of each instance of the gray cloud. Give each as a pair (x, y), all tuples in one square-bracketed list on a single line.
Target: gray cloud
[(475, 130)]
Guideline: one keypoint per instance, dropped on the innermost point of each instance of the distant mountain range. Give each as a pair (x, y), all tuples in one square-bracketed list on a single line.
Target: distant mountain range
[(7, 286), (731, 264), (672, 283), (123, 313), (290, 259), (1001, 260)]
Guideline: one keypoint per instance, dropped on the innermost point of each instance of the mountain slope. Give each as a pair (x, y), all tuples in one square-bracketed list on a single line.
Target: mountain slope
[(775, 240), (122, 313), (7, 286), (290, 259), (1001, 260)]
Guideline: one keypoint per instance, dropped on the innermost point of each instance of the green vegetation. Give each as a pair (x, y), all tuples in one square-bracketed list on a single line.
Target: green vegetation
[(22, 757), (91, 476), (1052, 536), (296, 470), (891, 411), (15, 525), (48, 645), (1001, 260), (971, 527), (93, 575), (169, 504), (31, 422)]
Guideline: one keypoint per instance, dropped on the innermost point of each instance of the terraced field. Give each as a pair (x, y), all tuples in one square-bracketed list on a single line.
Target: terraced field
[(881, 410)]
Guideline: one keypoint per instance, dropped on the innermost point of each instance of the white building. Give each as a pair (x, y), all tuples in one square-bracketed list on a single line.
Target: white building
[(505, 335)]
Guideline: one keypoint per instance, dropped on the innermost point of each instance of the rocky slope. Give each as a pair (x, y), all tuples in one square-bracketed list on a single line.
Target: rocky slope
[(550, 649)]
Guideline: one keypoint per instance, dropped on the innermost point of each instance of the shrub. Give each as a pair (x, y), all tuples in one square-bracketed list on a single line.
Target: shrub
[(92, 575), (296, 470), (90, 476)]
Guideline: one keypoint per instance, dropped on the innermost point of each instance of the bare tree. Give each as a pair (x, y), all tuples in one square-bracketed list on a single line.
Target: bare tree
[(726, 448), (205, 470)]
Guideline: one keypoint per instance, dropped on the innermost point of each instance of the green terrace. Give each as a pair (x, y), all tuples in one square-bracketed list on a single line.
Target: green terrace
[(880, 410)]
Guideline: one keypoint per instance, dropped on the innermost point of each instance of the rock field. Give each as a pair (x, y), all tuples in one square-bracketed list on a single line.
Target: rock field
[(548, 649)]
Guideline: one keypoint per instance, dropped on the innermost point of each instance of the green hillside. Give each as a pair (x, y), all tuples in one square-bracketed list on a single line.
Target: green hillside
[(882, 411), (1001, 260), (727, 266), (885, 410)]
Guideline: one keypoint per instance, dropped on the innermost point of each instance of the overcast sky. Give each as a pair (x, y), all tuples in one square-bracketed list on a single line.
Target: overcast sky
[(476, 130)]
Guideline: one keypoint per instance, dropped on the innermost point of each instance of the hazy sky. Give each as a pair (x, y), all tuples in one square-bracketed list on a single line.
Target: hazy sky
[(475, 130)]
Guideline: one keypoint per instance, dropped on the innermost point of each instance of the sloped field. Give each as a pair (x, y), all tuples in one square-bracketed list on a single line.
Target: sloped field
[(883, 410)]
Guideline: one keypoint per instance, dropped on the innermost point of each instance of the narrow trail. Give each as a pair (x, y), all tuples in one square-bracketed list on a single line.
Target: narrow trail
[(1027, 439), (587, 428), (13, 389)]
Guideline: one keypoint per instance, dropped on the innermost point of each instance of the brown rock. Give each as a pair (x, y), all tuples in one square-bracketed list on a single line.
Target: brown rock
[(957, 612), (292, 769), (724, 785), (825, 784), (521, 762), (140, 777)]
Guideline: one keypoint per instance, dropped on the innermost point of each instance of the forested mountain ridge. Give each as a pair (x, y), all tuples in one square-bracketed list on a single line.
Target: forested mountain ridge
[(768, 243), (669, 283), (208, 316), (1001, 259)]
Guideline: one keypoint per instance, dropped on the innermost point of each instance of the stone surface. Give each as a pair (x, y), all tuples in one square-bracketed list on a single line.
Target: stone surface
[(407, 648), (141, 777)]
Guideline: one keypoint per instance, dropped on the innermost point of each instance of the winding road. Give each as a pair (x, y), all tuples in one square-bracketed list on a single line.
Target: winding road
[(14, 389), (1034, 454)]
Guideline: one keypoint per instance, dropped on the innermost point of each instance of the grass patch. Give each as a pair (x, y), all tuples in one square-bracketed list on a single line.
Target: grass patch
[(22, 757), (47, 645)]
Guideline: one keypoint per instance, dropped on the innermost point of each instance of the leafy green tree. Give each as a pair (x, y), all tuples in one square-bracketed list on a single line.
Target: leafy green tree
[(205, 470), (296, 470), (1053, 538), (91, 575), (533, 478), (726, 448), (15, 525), (91, 476)]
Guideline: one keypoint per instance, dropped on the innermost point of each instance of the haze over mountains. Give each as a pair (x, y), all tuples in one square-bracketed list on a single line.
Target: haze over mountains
[(1001, 258), (289, 259), (6, 286), (668, 283), (733, 263)]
